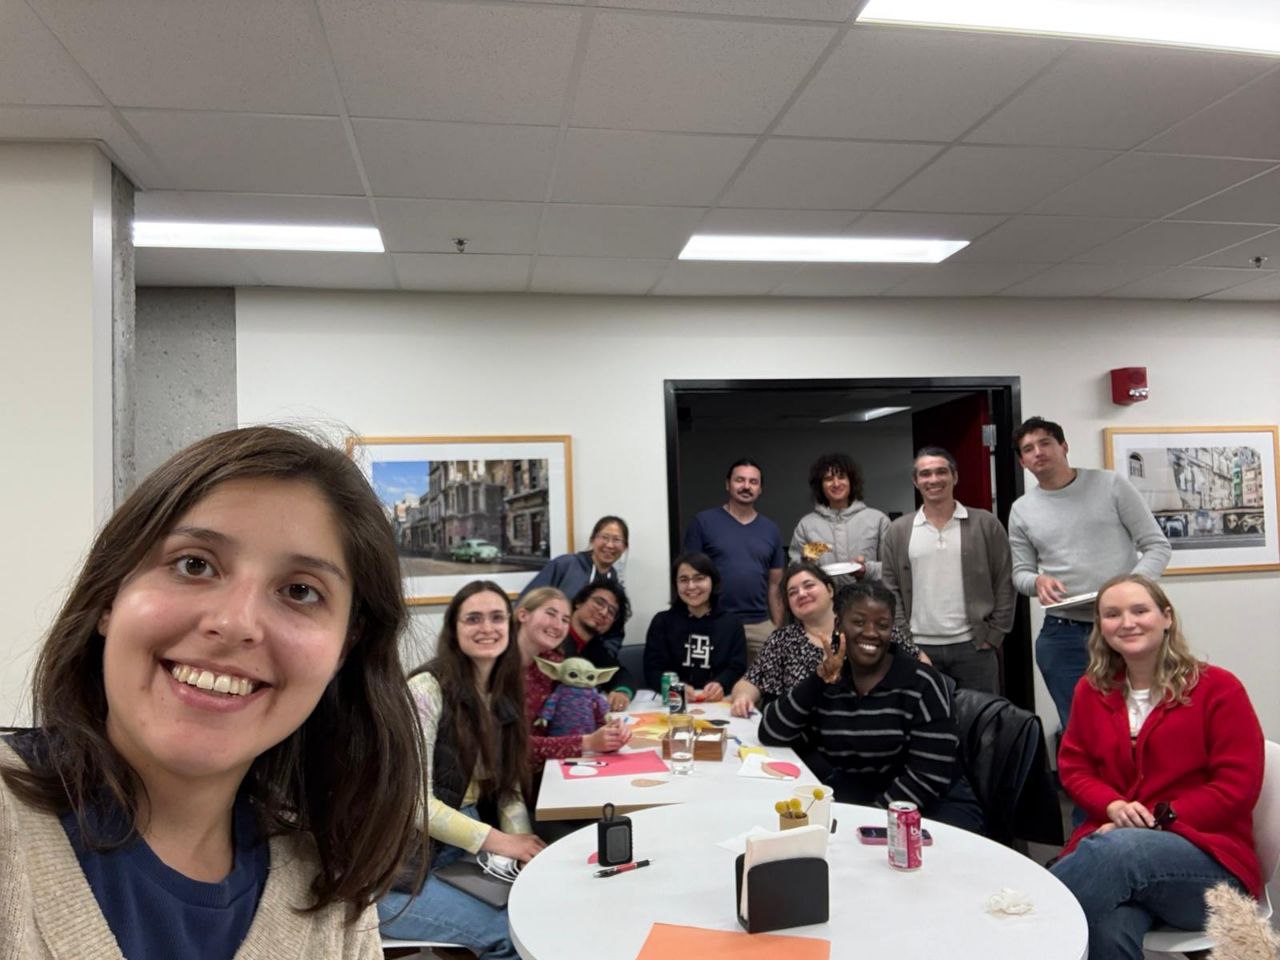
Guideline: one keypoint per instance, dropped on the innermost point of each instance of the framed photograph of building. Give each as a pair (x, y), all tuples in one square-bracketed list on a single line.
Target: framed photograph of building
[(464, 508), (1212, 490)]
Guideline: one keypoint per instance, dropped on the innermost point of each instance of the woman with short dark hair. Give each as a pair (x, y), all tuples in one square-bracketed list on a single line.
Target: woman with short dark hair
[(570, 572)]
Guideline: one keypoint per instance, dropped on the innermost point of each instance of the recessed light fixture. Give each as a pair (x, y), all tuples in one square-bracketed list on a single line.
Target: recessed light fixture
[(706, 246), (257, 236), (1224, 24), (863, 415)]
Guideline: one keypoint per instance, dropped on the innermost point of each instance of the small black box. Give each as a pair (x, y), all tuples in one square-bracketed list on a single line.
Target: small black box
[(613, 834)]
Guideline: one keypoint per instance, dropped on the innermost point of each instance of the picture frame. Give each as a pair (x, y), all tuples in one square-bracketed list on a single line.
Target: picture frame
[(467, 508), (1212, 489)]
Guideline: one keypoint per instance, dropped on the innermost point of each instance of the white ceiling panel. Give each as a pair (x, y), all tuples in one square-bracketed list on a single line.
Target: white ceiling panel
[(1078, 280), (825, 174), (1170, 243), (84, 123), (341, 271), (196, 55), (630, 277), (455, 160), (964, 279), (252, 153), (934, 226), (846, 280), (464, 272), (1147, 185), (1241, 255), (476, 62), (582, 230), (1116, 95), (688, 278), (1246, 124), (894, 84), (737, 220), (1257, 201), (431, 226), (833, 10), (155, 267), (1266, 287), (1183, 283), (33, 66), (617, 166), (993, 179), (253, 208), (1042, 239), (639, 70)]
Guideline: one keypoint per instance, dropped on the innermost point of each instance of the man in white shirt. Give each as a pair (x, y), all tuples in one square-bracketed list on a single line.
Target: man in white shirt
[(950, 567)]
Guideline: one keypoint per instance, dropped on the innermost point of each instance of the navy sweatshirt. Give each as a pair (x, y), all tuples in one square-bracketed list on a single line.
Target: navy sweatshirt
[(699, 649)]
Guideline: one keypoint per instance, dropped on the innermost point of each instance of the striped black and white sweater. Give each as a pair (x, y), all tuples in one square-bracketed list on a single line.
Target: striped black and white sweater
[(898, 742)]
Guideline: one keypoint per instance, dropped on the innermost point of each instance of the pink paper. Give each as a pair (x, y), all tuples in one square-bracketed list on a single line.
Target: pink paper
[(621, 765)]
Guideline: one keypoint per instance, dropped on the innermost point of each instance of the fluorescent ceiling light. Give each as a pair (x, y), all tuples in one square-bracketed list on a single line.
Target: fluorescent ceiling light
[(1223, 24), (706, 246), (257, 236), (862, 416)]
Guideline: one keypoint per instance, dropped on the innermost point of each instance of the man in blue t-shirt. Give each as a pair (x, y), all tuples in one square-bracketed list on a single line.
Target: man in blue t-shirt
[(746, 548)]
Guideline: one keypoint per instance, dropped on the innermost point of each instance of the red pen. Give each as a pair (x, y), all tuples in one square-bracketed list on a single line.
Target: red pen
[(614, 871)]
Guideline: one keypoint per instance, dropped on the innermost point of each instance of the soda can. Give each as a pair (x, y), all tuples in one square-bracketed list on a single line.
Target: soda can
[(676, 697), (905, 843), (668, 678)]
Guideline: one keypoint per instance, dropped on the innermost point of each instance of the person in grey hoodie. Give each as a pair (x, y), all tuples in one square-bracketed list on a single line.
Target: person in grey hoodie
[(841, 528)]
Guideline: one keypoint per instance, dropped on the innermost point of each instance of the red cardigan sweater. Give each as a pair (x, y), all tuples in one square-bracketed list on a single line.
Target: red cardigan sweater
[(1204, 758)]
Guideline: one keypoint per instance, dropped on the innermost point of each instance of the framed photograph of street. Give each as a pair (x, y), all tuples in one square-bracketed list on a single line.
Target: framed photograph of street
[(1212, 490), (467, 508)]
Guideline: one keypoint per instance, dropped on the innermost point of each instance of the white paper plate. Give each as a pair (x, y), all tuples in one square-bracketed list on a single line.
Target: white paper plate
[(841, 569)]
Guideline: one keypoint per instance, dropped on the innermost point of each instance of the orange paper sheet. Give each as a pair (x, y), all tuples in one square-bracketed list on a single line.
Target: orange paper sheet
[(668, 941)]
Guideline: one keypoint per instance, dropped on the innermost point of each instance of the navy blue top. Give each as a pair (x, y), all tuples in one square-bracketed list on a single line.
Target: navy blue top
[(744, 553), (699, 649), (569, 573)]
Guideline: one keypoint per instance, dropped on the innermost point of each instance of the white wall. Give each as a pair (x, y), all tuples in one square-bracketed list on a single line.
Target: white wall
[(400, 364), (55, 387)]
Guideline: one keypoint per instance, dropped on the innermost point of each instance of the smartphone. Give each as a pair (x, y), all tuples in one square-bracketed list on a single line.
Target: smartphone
[(879, 836), (835, 642)]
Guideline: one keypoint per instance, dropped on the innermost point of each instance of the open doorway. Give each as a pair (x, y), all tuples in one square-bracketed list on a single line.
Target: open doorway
[(785, 425)]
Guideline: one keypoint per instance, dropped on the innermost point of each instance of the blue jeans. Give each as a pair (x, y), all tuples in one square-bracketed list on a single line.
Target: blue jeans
[(1129, 879), (1062, 657), (446, 914)]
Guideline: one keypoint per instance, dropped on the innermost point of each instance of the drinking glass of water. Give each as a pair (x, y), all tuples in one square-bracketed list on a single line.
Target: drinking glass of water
[(682, 738)]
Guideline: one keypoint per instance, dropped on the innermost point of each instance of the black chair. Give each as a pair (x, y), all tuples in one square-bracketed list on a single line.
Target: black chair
[(1004, 758)]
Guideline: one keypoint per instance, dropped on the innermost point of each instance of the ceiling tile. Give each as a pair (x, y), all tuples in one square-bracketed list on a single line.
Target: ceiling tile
[(478, 62), (570, 229), (156, 267), (1078, 280), (250, 153), (196, 55), (825, 174), (639, 69), (479, 272), (1243, 125), (616, 166), (162, 205), (1042, 239), (1241, 255), (1116, 95), (964, 279), (993, 179), (1183, 283), (253, 208), (594, 275), (795, 9), (1148, 186), (349, 271), (1170, 243), (455, 160), (1257, 201), (1266, 287), (737, 220), (84, 123), (430, 226), (845, 279), (936, 226), (33, 66), (895, 84), (705, 279)]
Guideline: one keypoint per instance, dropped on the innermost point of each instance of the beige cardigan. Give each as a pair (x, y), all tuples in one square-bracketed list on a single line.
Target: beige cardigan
[(48, 911)]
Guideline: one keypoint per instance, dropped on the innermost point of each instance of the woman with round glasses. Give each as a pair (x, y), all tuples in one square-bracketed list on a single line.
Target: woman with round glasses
[(599, 609), (703, 645), (570, 572)]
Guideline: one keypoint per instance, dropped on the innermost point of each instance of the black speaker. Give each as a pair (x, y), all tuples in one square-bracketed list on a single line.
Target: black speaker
[(613, 834)]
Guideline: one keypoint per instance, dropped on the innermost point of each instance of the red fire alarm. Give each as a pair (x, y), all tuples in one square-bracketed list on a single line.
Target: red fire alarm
[(1129, 385)]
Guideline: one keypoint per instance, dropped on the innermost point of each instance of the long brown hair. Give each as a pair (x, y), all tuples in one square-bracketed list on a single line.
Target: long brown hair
[(351, 776), (495, 753), (1177, 669)]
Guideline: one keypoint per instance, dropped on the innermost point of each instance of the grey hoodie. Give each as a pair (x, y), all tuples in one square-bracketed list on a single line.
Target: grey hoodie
[(852, 532)]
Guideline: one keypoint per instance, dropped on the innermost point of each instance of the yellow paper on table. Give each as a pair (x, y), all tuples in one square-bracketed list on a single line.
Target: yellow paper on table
[(744, 752), (669, 941)]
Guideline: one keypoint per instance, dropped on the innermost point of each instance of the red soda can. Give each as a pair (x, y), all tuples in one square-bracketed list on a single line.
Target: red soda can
[(905, 842)]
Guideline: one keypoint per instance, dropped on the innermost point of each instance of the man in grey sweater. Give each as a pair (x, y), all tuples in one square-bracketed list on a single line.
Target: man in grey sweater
[(1072, 533)]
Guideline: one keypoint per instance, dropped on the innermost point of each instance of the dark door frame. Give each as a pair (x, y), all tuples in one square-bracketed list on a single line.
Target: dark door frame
[(1005, 395)]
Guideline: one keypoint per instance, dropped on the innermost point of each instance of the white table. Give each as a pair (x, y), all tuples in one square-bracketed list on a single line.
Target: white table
[(574, 798), (560, 911)]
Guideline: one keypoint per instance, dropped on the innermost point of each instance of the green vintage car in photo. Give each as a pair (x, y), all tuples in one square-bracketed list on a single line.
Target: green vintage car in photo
[(474, 551)]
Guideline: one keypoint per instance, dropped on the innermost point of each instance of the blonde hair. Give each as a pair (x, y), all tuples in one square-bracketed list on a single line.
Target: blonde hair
[(540, 597), (1177, 669)]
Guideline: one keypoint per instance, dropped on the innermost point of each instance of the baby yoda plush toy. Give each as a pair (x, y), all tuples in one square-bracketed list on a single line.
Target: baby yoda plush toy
[(575, 706)]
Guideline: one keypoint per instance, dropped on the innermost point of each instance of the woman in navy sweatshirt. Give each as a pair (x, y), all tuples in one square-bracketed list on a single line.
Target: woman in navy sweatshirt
[(705, 646)]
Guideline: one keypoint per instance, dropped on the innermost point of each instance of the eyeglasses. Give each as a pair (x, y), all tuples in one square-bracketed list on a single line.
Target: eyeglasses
[(497, 618), (609, 540), (600, 603), (697, 578)]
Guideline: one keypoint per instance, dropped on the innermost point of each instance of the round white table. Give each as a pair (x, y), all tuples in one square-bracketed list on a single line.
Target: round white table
[(559, 911)]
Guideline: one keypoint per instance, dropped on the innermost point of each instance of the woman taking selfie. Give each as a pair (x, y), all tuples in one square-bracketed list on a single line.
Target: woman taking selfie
[(1164, 756), (469, 707), (211, 703)]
